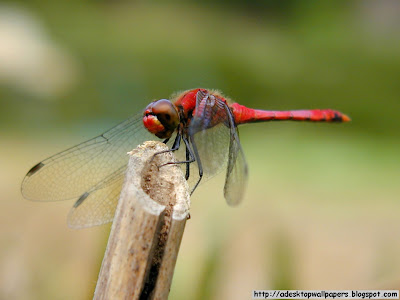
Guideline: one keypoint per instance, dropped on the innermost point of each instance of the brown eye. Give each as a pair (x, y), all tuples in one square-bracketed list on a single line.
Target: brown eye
[(161, 118), (166, 113)]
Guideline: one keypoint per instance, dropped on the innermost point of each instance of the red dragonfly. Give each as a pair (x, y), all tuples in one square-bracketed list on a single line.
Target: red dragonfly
[(92, 172)]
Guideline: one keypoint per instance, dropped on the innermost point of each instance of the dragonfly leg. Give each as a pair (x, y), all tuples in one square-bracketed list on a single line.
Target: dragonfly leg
[(189, 158), (199, 165), (188, 153), (177, 143), (175, 146)]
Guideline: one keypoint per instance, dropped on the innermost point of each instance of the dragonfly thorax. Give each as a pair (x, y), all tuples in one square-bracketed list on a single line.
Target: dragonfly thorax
[(161, 118)]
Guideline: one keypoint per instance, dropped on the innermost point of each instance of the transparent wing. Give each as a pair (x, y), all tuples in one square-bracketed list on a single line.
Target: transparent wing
[(97, 207), (216, 139), (236, 173), (87, 166)]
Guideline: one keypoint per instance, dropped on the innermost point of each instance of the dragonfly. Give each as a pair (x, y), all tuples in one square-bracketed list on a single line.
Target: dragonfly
[(199, 125)]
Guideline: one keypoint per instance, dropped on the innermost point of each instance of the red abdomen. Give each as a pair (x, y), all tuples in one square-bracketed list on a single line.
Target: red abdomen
[(244, 114)]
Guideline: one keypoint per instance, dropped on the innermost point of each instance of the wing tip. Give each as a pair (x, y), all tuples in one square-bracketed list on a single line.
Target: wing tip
[(233, 199), (73, 224)]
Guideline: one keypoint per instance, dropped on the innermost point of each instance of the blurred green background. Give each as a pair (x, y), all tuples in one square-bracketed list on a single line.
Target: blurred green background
[(321, 208)]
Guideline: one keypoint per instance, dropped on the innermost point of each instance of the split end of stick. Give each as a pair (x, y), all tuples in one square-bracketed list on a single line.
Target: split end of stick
[(161, 179), (147, 228)]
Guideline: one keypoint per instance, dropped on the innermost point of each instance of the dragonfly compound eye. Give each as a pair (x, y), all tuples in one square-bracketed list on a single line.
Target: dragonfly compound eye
[(161, 118)]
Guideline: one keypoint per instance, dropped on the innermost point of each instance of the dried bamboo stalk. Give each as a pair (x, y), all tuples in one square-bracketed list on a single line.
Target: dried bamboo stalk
[(147, 230)]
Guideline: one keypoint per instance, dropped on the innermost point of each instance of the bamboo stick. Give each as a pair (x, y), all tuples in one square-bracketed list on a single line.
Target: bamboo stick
[(147, 230)]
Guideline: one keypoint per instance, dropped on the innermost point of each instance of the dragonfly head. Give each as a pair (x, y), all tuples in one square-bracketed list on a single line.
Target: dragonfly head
[(161, 118)]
